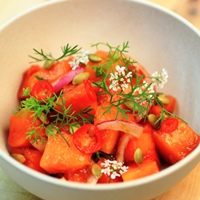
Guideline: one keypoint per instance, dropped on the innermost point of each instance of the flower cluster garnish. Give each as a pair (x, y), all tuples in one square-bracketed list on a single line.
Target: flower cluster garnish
[(113, 168), (120, 80), (160, 79), (141, 93), (80, 58)]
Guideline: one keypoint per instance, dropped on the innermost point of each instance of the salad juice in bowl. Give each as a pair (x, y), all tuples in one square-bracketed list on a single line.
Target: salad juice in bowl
[(99, 99)]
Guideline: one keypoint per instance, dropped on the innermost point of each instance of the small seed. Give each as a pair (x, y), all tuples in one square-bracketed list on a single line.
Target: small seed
[(51, 129), (96, 171), (114, 55), (48, 64), (74, 128), (94, 58), (130, 105), (19, 157), (165, 116), (163, 99), (138, 156), (153, 120), (79, 78), (43, 118)]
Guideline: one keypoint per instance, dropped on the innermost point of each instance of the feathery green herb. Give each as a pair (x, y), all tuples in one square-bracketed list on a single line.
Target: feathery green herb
[(49, 60), (141, 94), (119, 71), (53, 115)]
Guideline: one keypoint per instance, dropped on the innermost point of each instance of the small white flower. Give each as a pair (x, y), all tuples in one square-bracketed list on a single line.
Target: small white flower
[(124, 86), (123, 169), (114, 85), (119, 79), (114, 175), (160, 79), (113, 168), (74, 64), (128, 75), (121, 70), (113, 76), (82, 57)]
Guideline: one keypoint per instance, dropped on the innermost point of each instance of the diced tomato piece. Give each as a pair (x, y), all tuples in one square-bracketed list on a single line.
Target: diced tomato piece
[(90, 91), (79, 98), (110, 139), (32, 76), (58, 69), (60, 157), (156, 110), (32, 156), (81, 175), (103, 114), (24, 84), (176, 145), (88, 139), (171, 105), (148, 167), (90, 66), (146, 143), (147, 128), (20, 124)]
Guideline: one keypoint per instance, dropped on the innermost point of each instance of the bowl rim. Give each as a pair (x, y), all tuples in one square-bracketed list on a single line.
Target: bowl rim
[(45, 178), (85, 186), (142, 2)]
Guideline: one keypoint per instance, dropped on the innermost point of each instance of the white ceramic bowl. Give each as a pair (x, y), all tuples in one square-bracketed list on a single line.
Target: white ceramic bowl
[(158, 39)]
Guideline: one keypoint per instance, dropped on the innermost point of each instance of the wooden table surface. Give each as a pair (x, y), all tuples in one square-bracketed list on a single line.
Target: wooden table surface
[(189, 187)]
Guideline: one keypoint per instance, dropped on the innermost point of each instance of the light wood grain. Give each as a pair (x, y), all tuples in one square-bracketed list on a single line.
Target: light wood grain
[(188, 9), (187, 189)]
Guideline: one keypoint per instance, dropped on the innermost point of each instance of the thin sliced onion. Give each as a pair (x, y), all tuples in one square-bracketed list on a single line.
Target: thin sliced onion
[(92, 180), (122, 144), (120, 125), (39, 145), (66, 79)]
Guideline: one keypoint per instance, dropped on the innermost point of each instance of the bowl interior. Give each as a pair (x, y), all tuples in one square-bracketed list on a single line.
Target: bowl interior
[(157, 38)]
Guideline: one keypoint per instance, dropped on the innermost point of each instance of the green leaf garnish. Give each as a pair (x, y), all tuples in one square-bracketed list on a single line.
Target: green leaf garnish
[(49, 60), (63, 116)]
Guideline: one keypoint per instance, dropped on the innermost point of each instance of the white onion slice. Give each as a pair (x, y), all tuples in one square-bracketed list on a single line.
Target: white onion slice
[(92, 180), (66, 79), (39, 145), (121, 147), (120, 125)]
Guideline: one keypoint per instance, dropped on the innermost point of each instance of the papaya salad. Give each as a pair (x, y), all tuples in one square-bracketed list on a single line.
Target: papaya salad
[(96, 117)]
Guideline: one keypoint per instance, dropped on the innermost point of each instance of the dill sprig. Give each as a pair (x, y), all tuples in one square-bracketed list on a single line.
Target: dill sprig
[(141, 95), (115, 54), (49, 60), (53, 116)]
